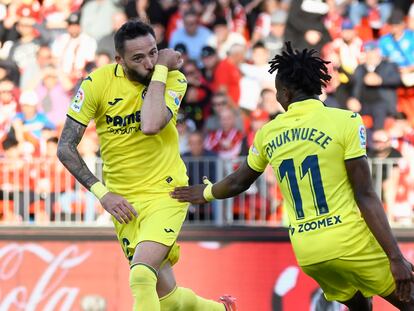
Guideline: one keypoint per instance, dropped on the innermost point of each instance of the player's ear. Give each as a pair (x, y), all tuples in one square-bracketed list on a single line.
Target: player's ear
[(118, 59)]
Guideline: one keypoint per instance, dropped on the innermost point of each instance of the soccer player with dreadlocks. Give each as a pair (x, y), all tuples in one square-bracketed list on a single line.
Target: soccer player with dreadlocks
[(338, 228)]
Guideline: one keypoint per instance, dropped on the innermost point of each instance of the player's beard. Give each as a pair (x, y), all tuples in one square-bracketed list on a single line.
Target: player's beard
[(137, 77)]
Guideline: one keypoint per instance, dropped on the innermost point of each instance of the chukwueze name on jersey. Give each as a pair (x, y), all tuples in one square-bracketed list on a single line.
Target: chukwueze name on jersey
[(298, 134)]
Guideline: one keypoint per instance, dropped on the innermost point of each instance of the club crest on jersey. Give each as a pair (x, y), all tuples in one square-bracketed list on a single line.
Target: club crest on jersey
[(177, 98), (362, 136), (77, 101)]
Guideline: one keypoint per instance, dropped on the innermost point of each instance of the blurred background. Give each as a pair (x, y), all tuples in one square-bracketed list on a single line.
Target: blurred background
[(48, 47)]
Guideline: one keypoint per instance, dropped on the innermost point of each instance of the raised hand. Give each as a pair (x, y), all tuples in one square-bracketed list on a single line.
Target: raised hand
[(170, 58), (118, 207)]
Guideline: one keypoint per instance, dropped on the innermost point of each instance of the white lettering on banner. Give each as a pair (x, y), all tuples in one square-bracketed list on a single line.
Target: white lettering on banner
[(48, 286)]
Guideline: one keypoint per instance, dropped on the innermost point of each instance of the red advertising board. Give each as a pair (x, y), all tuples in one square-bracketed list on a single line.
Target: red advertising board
[(47, 276)]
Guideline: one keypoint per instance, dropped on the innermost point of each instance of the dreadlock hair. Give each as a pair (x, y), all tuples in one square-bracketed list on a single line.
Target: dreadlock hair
[(301, 70)]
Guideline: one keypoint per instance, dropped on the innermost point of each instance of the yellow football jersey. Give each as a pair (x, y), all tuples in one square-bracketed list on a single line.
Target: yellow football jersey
[(307, 148), (133, 162)]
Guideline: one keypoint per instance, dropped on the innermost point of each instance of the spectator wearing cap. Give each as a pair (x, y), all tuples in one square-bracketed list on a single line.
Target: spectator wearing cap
[(74, 49), (374, 89), (227, 74), (398, 45), (224, 38), (95, 17), (29, 123), (182, 48), (106, 43), (193, 34), (275, 40), (210, 61)]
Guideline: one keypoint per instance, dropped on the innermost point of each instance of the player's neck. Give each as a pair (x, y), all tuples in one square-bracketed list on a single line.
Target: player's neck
[(301, 97)]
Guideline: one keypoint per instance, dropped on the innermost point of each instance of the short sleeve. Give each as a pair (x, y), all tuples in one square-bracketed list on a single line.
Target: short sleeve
[(84, 104), (355, 137), (175, 90), (256, 160)]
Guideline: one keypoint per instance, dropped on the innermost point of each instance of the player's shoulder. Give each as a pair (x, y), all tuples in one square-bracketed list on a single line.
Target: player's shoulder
[(103, 74), (343, 119), (339, 114), (176, 77)]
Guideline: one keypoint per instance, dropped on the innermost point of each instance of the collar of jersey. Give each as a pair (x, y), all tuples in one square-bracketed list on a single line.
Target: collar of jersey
[(119, 71), (306, 104)]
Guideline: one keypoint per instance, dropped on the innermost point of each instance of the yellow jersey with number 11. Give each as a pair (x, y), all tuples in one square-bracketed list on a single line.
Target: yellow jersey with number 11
[(307, 148)]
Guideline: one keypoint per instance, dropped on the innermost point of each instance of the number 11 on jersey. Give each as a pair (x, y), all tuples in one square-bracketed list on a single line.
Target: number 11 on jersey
[(309, 167)]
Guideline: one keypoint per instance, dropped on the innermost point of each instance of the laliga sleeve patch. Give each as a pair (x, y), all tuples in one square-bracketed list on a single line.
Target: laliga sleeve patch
[(77, 101), (177, 98), (362, 136), (254, 150)]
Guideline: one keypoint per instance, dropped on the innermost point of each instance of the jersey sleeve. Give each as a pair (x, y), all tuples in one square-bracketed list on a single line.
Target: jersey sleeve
[(84, 104), (355, 137), (256, 159), (175, 90)]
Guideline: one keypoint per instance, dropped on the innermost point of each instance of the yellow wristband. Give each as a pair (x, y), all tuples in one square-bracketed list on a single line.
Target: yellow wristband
[(160, 74), (99, 190), (208, 191)]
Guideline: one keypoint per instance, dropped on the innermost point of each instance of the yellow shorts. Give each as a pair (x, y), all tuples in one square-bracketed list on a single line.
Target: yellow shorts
[(159, 219), (368, 272)]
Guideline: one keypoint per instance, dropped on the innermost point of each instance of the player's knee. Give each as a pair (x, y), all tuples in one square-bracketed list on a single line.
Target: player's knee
[(142, 276)]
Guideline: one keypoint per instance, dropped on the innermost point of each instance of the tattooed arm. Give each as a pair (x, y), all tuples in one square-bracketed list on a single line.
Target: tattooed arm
[(69, 155)]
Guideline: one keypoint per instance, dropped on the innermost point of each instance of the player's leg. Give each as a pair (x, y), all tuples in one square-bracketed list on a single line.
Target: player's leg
[(143, 275), (173, 298), (358, 303), (401, 305)]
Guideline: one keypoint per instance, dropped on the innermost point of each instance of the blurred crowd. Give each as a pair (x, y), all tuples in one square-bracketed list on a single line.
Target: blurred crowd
[(47, 47)]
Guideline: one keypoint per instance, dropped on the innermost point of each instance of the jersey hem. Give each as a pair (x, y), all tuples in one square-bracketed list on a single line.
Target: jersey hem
[(77, 121), (356, 158), (253, 168)]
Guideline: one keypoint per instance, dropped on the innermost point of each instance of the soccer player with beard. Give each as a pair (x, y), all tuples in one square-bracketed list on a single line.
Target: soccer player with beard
[(134, 104)]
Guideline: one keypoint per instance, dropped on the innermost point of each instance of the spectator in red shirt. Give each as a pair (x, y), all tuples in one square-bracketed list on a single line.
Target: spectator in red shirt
[(227, 74), (227, 140)]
